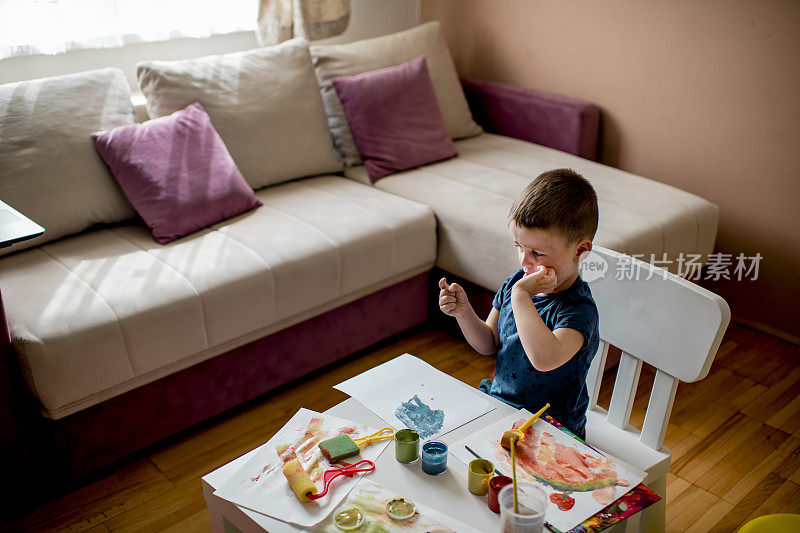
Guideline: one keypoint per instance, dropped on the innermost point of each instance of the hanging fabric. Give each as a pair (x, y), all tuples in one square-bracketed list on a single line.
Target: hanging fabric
[(280, 20)]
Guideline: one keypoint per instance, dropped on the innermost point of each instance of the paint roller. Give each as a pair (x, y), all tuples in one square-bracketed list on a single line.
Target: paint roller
[(305, 489), (299, 480)]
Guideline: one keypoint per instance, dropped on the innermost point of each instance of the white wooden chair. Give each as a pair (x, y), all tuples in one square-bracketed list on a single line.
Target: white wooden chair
[(660, 319)]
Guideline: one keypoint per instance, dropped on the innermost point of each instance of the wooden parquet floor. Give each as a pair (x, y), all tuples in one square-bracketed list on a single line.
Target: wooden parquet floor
[(735, 439)]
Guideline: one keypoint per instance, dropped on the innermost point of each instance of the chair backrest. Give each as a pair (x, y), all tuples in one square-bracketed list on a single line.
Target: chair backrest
[(654, 317)]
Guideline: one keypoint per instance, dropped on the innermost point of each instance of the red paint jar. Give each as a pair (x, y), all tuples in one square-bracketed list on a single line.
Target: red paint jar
[(495, 484)]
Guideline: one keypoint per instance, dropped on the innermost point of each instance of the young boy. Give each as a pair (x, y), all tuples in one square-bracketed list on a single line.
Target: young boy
[(544, 324)]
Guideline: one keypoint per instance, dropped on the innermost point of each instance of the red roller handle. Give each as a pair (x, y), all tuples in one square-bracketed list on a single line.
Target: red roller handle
[(362, 466)]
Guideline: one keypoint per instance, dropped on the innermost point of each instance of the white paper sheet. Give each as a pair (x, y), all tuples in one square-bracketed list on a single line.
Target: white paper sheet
[(261, 486), (408, 392), (371, 498), (569, 467)]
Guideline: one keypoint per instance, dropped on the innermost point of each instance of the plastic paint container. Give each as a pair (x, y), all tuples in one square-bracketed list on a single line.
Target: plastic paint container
[(348, 518), (406, 445), (479, 472), (532, 503), (400, 508), (495, 484), (434, 457)]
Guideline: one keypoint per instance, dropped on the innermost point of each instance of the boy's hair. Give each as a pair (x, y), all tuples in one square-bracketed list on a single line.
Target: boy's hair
[(558, 200)]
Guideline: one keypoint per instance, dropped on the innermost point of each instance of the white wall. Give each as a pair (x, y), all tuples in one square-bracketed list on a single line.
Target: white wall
[(368, 18)]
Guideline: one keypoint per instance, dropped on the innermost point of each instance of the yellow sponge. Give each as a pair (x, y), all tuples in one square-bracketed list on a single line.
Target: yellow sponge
[(299, 480)]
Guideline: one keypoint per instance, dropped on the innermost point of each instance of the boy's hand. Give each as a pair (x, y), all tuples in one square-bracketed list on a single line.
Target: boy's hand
[(452, 299), (542, 280)]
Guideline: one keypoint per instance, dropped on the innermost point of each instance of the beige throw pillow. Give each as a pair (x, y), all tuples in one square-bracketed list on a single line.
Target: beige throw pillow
[(49, 169), (264, 103), (331, 61)]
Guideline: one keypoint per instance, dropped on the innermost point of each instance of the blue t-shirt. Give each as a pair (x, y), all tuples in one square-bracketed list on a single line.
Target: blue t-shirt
[(518, 383)]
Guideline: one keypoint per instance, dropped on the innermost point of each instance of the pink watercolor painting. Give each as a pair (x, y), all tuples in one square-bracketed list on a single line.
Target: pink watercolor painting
[(580, 481), (556, 464)]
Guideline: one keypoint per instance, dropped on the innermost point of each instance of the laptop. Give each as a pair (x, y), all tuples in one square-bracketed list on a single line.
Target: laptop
[(16, 227)]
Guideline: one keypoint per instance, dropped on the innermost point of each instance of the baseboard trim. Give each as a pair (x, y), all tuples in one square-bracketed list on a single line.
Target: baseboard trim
[(769, 330)]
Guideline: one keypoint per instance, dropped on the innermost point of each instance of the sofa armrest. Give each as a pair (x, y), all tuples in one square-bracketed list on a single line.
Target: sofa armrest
[(560, 122)]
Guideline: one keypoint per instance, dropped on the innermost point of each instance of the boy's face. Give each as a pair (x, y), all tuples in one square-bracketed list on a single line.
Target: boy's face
[(537, 246)]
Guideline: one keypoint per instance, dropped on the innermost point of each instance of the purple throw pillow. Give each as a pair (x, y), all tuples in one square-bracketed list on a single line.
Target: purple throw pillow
[(395, 118), (176, 172)]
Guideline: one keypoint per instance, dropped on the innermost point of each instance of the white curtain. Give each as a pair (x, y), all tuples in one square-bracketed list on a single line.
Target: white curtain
[(54, 26), (279, 20)]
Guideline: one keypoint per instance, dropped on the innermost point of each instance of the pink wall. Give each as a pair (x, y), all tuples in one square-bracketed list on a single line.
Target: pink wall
[(703, 95)]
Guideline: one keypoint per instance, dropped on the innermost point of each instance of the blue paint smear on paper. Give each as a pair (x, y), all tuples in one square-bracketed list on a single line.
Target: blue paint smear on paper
[(416, 415)]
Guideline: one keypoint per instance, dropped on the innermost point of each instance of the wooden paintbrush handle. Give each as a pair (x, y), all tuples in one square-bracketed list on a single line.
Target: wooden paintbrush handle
[(514, 473)]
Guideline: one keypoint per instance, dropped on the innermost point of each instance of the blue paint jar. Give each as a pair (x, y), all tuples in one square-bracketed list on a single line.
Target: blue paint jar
[(434, 457)]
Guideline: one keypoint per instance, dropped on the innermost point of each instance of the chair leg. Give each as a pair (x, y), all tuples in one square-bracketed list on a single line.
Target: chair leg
[(654, 518)]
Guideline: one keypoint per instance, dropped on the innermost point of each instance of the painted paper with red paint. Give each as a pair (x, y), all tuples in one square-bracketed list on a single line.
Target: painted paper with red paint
[(558, 461), (265, 489), (563, 501)]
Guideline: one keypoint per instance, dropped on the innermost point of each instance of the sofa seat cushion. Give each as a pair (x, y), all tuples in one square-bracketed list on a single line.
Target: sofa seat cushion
[(100, 313), (471, 196)]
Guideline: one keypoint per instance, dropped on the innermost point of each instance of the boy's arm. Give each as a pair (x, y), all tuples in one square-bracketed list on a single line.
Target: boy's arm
[(546, 350), (482, 336)]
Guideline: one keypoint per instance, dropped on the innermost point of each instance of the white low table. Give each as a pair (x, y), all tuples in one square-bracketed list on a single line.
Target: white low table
[(446, 492)]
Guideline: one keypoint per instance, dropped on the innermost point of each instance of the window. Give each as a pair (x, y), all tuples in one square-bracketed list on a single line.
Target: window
[(54, 26)]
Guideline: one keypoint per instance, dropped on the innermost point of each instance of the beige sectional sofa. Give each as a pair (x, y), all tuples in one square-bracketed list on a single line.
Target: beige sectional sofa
[(103, 312), (472, 193), (122, 341)]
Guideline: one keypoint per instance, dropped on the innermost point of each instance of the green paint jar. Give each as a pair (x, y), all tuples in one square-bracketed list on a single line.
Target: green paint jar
[(406, 445)]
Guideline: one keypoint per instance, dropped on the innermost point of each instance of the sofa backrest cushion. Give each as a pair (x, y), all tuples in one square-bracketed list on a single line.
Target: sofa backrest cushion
[(176, 172), (49, 169), (265, 104), (332, 61)]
